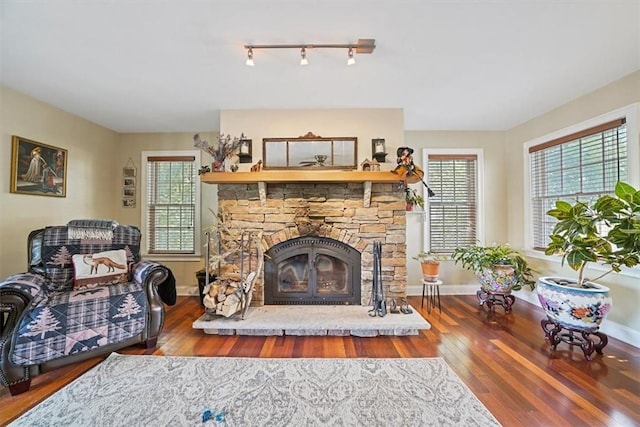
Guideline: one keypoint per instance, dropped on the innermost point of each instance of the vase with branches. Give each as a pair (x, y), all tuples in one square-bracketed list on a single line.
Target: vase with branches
[(226, 147)]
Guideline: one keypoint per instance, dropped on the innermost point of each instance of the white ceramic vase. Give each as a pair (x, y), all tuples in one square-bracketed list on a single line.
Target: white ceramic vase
[(581, 308)]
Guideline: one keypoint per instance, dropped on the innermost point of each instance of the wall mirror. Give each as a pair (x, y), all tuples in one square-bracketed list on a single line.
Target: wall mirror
[(309, 151)]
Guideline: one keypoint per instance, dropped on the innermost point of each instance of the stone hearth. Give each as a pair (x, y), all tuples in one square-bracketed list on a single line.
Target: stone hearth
[(333, 210), (296, 320)]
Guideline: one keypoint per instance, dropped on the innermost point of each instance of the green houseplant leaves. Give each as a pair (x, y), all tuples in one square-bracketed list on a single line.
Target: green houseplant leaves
[(608, 231)]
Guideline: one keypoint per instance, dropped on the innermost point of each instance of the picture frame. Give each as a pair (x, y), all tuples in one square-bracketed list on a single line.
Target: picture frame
[(38, 169), (129, 172), (129, 182), (128, 202), (129, 192)]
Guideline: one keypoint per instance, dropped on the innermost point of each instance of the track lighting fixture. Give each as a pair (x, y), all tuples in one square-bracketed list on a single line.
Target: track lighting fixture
[(362, 46), (250, 62), (351, 59)]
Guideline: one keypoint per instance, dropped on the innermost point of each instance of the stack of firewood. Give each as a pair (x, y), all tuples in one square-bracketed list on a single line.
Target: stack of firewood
[(224, 297)]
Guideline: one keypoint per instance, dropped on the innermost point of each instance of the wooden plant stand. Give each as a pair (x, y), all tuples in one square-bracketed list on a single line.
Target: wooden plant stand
[(557, 333), (506, 300)]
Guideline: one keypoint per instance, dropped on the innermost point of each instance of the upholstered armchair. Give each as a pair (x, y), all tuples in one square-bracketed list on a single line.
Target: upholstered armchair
[(86, 293)]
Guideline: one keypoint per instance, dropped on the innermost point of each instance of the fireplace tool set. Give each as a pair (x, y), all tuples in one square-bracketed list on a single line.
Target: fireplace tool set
[(377, 290)]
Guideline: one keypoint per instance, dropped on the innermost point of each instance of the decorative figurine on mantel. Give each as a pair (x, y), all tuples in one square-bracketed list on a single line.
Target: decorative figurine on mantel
[(409, 171), (227, 147)]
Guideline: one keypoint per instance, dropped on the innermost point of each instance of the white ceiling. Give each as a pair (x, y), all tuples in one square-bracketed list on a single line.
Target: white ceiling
[(164, 66)]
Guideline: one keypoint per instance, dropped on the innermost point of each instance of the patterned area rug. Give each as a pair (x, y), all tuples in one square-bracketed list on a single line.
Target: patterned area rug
[(177, 391)]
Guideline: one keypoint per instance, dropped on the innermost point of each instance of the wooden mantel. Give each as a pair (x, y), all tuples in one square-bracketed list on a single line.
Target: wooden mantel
[(262, 178), (306, 175)]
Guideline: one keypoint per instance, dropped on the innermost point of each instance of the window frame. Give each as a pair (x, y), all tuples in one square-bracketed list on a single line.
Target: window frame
[(480, 206), (631, 114), (145, 155)]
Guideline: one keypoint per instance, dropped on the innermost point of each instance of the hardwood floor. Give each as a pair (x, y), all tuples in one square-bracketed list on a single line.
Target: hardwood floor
[(505, 361)]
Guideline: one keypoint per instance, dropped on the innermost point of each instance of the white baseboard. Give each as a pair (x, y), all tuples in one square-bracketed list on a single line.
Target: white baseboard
[(187, 291)]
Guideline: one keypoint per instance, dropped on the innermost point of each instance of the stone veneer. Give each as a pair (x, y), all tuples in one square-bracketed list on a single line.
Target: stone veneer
[(334, 210)]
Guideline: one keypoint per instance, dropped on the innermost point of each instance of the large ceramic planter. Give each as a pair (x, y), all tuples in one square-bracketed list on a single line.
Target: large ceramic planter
[(497, 280), (581, 308)]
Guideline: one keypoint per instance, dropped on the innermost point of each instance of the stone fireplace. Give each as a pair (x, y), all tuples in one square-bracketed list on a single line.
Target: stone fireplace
[(318, 239)]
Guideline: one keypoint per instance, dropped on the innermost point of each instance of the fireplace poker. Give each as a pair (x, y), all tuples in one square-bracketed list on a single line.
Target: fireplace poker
[(377, 290)]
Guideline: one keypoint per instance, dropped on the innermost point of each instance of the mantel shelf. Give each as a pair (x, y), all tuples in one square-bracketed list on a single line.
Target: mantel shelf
[(263, 178), (286, 176)]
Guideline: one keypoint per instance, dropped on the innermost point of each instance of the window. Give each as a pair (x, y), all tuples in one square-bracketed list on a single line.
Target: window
[(453, 213), (577, 167), (171, 219)]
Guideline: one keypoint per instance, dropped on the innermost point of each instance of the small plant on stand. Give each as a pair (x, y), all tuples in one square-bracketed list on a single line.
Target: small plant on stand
[(430, 264), (413, 198), (499, 268)]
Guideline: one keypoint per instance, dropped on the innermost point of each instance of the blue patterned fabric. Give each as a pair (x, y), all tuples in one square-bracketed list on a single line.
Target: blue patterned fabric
[(58, 248), (72, 322), (60, 321), (33, 285)]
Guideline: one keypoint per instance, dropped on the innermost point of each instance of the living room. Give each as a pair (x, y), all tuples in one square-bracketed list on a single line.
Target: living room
[(97, 153)]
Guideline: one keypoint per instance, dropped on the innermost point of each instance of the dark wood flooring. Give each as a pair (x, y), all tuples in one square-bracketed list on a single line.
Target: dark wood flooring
[(504, 359)]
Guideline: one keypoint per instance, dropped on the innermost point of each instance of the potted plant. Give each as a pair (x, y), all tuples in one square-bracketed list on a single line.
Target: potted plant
[(430, 264), (605, 232), (499, 268), (413, 198)]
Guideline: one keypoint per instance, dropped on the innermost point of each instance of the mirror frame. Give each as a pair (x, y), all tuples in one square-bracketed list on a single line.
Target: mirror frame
[(310, 137)]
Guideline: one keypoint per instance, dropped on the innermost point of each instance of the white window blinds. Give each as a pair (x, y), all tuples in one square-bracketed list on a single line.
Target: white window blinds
[(578, 167), (453, 209), (171, 204)]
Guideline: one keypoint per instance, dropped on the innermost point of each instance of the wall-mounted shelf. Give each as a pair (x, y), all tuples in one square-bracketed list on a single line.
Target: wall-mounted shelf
[(263, 178)]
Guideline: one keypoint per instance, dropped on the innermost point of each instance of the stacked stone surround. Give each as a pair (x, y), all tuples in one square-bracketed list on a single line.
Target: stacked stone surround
[(334, 210)]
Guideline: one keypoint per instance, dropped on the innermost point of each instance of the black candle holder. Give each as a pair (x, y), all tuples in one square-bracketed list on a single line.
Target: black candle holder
[(244, 153), (378, 150)]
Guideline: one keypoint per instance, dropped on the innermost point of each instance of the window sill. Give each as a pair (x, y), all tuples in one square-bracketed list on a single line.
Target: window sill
[(176, 257), (556, 259)]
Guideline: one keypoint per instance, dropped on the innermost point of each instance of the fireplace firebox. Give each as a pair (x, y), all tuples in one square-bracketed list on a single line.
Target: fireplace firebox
[(312, 270)]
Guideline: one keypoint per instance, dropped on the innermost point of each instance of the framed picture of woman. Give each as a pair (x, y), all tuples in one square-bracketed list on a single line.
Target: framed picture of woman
[(38, 169)]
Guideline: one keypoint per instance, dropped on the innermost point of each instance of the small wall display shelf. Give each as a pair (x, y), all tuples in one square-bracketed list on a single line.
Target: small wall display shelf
[(263, 178)]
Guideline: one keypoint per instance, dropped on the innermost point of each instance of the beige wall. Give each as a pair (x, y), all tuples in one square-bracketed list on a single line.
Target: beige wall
[(131, 146), (90, 166), (494, 191), (625, 290), (365, 124), (97, 155)]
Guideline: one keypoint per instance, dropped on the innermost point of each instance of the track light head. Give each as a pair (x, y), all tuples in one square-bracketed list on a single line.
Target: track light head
[(250, 62), (351, 59), (303, 56)]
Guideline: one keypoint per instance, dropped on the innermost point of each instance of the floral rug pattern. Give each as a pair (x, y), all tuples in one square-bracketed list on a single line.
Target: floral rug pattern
[(165, 390)]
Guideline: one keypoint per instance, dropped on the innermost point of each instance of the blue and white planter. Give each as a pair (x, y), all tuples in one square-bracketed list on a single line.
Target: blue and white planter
[(578, 308)]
